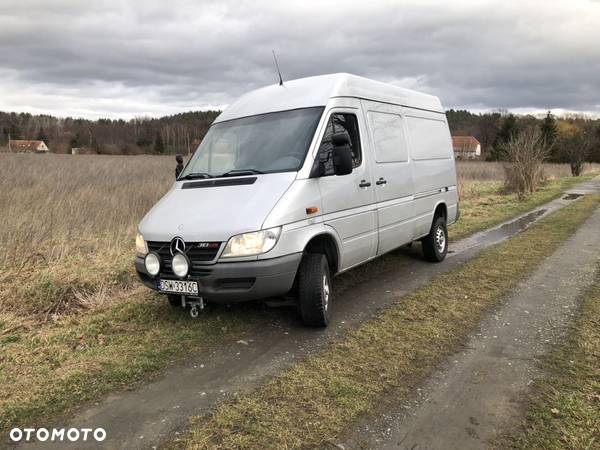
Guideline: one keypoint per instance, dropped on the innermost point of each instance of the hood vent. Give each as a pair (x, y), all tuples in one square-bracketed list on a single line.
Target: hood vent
[(219, 182)]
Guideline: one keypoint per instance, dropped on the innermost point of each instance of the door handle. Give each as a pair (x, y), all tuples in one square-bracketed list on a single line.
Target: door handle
[(380, 182), (364, 183)]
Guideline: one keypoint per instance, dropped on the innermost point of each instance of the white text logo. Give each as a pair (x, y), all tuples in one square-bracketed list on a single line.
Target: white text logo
[(57, 434)]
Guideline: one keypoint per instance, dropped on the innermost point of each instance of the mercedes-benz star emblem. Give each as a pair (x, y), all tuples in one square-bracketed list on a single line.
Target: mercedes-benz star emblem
[(177, 246)]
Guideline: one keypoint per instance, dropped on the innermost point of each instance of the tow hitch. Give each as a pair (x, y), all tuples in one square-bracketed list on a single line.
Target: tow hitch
[(196, 305)]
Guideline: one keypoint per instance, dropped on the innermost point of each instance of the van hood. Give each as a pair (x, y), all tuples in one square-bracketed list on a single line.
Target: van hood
[(214, 213)]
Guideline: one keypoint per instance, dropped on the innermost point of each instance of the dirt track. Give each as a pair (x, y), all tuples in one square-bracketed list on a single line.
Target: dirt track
[(146, 417), (478, 394)]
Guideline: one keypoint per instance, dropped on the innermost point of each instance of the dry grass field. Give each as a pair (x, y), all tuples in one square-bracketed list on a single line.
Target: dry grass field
[(473, 173), (57, 206), (54, 205), (493, 171), (68, 223), (74, 321)]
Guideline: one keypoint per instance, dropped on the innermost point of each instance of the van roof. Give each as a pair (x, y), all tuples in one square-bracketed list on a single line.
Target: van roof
[(316, 91)]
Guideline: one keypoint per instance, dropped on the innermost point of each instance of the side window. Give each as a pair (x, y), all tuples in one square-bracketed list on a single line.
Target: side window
[(429, 138), (338, 123), (388, 137)]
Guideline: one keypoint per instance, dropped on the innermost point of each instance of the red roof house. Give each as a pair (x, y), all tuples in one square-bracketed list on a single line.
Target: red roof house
[(25, 146), (466, 147)]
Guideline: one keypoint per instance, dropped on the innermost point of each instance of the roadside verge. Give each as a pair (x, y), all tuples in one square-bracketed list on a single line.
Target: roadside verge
[(485, 205), (563, 409)]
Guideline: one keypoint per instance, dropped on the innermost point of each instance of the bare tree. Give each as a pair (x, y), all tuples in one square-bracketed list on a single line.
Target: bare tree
[(574, 145), (525, 155), (577, 155), (577, 152)]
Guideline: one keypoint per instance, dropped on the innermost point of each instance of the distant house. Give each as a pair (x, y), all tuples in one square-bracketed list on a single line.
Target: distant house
[(83, 151), (24, 146), (466, 147)]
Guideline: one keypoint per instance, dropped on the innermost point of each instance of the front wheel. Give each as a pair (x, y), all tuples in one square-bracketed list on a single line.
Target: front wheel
[(314, 290), (435, 244)]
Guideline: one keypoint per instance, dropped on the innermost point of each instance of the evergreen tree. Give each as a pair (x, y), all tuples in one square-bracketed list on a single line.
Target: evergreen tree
[(159, 146), (508, 131), (549, 131), (594, 139)]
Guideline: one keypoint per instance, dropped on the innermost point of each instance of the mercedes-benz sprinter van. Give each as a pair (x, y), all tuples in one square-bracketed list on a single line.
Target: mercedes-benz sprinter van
[(296, 183)]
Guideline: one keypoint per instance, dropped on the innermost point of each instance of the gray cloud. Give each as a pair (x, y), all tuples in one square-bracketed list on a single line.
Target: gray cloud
[(128, 58)]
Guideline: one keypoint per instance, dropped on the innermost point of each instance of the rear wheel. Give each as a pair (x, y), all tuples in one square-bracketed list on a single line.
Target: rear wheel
[(314, 290), (435, 244)]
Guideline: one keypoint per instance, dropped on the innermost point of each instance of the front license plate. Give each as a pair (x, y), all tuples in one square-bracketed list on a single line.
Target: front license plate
[(178, 287)]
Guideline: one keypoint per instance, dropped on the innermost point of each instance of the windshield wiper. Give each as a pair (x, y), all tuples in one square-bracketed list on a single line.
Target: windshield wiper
[(196, 175), (237, 172)]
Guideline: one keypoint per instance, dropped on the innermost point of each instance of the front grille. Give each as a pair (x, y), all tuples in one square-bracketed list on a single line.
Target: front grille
[(199, 254)]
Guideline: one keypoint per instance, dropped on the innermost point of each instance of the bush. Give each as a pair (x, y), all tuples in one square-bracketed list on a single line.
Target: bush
[(525, 155)]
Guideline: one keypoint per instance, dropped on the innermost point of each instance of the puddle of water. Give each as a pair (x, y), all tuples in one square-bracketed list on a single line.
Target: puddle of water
[(510, 228), (572, 196)]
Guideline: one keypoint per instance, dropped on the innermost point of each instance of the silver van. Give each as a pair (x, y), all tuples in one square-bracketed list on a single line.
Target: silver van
[(296, 183)]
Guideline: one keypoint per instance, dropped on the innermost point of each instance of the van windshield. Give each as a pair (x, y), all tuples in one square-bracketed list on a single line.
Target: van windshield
[(266, 143)]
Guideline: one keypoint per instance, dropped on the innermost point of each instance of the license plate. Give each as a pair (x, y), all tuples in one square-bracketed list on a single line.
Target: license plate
[(178, 287)]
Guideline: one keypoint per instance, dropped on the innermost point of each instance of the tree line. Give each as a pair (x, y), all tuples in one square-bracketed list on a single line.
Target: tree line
[(572, 139), (179, 133)]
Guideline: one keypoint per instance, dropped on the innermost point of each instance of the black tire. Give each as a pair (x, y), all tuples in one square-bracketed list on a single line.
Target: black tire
[(435, 245), (314, 290), (174, 300)]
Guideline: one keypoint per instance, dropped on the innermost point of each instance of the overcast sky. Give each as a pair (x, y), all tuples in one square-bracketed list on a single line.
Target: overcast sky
[(127, 58)]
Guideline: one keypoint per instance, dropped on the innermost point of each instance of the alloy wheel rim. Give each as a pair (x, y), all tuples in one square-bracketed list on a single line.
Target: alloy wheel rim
[(440, 239)]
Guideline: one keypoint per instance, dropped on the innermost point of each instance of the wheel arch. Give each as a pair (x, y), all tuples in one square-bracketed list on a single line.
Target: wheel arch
[(441, 209), (327, 244)]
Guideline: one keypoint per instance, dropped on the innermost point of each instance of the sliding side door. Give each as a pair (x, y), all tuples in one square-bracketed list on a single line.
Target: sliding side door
[(392, 175)]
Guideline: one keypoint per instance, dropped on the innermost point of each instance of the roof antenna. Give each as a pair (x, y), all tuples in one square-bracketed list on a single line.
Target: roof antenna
[(278, 71)]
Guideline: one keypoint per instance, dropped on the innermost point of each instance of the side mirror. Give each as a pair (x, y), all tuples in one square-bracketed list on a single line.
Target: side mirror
[(179, 167), (342, 154)]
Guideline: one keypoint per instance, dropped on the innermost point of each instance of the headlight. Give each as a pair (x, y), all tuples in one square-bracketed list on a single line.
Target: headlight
[(152, 263), (180, 265), (140, 245), (254, 243)]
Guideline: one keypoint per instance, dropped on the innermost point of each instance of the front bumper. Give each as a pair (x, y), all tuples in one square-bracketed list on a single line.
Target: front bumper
[(228, 282)]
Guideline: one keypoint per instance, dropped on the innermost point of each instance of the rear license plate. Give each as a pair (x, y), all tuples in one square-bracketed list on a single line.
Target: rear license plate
[(178, 287)]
